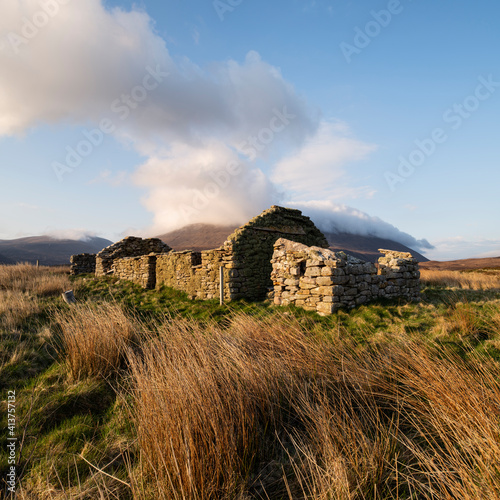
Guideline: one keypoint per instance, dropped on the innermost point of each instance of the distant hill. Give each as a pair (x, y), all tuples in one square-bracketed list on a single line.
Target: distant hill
[(463, 264), (47, 250), (199, 237), (366, 247), (5, 260)]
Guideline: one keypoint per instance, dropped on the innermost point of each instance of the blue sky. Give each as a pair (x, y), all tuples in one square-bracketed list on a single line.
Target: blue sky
[(379, 117)]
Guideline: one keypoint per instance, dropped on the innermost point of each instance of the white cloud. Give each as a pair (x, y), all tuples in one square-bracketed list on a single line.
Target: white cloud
[(461, 248), (208, 184), (491, 253), (336, 218), (195, 115), (71, 234), (85, 64), (318, 169), (73, 67), (86, 58)]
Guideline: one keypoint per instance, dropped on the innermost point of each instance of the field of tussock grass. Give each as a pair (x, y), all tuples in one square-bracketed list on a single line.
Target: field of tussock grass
[(135, 394)]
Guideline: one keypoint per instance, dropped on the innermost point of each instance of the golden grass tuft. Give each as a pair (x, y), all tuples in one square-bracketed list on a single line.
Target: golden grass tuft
[(94, 339), (208, 401), (406, 422), (262, 408)]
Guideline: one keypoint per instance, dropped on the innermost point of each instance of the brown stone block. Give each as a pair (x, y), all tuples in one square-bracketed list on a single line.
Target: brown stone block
[(324, 280), (313, 271), (327, 271), (325, 308), (340, 280)]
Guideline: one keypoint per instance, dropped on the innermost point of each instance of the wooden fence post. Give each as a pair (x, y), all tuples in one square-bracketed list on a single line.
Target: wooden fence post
[(221, 284)]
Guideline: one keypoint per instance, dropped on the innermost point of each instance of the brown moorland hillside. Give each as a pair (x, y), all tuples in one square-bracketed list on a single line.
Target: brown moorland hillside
[(198, 237), (47, 250), (462, 264)]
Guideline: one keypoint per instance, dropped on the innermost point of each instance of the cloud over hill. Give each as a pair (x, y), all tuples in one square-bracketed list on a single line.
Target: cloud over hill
[(222, 142)]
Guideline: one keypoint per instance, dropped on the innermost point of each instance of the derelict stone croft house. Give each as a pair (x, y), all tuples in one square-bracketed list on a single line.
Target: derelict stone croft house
[(247, 258)]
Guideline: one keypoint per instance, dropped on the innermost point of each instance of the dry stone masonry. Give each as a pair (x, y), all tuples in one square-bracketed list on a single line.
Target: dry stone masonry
[(179, 270), (321, 280), (280, 248), (401, 273), (248, 251), (128, 247), (245, 257), (140, 270), (83, 263)]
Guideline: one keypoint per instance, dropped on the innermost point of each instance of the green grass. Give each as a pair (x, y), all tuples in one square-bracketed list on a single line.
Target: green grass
[(362, 321), (151, 304), (68, 423)]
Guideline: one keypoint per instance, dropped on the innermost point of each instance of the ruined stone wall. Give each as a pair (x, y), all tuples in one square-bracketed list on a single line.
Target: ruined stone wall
[(178, 270), (83, 263), (321, 280), (196, 273), (128, 247), (208, 274), (280, 247), (245, 257), (140, 270), (251, 248), (401, 275)]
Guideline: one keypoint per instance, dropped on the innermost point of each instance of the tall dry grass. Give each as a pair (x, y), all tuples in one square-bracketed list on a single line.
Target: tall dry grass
[(406, 422), (15, 308), (41, 281), (459, 279), (22, 287), (261, 408), (94, 338), (206, 404)]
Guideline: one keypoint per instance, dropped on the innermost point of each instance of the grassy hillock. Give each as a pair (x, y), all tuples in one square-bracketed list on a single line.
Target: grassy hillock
[(134, 394)]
